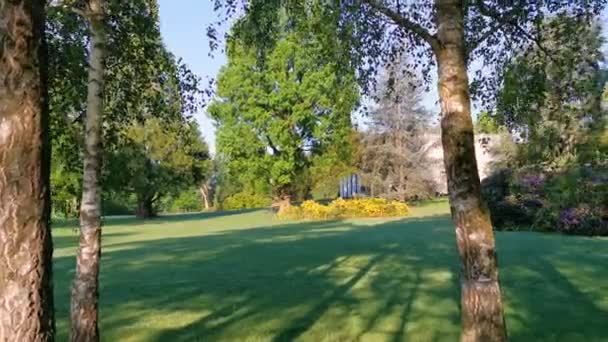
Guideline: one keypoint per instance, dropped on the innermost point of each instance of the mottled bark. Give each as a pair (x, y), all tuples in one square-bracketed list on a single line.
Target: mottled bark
[(481, 304), (26, 293), (85, 287)]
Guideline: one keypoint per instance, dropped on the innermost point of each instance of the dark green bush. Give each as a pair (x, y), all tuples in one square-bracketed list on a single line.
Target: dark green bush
[(113, 207), (510, 211)]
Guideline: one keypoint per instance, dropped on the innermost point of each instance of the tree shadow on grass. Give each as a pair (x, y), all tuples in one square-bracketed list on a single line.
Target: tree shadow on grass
[(555, 287), (332, 281)]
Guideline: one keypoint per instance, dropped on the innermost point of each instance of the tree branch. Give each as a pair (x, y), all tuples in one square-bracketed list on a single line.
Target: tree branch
[(504, 19), (405, 23), (274, 149), (471, 46), (155, 198)]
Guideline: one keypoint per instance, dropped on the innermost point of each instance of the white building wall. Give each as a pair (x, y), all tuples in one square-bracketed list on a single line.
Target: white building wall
[(483, 142)]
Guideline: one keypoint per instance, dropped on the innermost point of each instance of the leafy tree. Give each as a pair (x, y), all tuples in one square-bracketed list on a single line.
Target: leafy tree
[(394, 157), (449, 34), (186, 201), (26, 291), (143, 80), (554, 101), (274, 117), (158, 158)]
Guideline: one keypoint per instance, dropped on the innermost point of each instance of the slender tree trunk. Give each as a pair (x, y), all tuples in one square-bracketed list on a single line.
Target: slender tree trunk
[(481, 304), (283, 201), (26, 292), (207, 195), (85, 288)]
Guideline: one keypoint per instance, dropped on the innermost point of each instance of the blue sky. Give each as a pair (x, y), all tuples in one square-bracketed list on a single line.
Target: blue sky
[(184, 34)]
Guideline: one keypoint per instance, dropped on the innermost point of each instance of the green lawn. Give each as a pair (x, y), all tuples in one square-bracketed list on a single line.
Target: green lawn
[(247, 277)]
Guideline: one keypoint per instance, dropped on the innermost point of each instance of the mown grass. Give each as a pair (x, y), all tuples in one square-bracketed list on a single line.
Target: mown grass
[(244, 276)]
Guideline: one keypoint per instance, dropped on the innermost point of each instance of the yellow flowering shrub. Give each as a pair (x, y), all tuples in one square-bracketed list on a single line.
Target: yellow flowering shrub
[(290, 212), (314, 211), (340, 208)]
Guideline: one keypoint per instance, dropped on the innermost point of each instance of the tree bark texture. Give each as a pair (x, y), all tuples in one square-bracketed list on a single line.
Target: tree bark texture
[(26, 293), (481, 304), (145, 208), (85, 287)]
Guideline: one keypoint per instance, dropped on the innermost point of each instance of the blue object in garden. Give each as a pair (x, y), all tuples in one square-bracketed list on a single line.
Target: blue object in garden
[(350, 186)]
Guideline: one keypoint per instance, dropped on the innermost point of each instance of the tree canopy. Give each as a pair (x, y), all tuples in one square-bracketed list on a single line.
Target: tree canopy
[(275, 116), (143, 81), (554, 101)]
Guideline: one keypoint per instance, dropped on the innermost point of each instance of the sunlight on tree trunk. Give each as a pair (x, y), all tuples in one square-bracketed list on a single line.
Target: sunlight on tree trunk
[(85, 288), (26, 293), (207, 195), (481, 304)]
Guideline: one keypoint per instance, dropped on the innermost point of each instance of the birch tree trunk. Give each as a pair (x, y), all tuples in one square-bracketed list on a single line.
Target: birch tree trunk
[(207, 194), (26, 292), (481, 304), (85, 287)]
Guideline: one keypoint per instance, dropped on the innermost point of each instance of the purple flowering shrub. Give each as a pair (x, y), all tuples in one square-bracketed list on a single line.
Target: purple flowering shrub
[(573, 201), (582, 220), (531, 182)]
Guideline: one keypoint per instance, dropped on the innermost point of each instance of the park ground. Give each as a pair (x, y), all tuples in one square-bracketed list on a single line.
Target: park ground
[(245, 276)]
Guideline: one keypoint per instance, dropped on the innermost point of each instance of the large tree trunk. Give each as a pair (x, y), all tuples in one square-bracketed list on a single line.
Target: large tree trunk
[(26, 292), (481, 304), (145, 208), (85, 288)]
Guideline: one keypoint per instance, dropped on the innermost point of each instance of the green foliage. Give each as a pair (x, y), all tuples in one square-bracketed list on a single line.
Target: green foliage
[(325, 177), (341, 209), (66, 188), (244, 200), (593, 147), (143, 81), (186, 201), (158, 158), (554, 101), (486, 124), (115, 207), (276, 114)]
